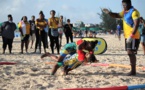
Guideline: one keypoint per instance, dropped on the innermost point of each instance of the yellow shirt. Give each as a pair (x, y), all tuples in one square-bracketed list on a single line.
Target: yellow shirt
[(25, 27), (130, 17), (53, 22), (41, 23)]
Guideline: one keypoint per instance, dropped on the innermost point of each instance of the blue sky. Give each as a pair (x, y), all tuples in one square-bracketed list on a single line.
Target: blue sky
[(75, 10)]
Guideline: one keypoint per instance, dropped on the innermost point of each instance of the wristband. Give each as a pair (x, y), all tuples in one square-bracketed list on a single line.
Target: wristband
[(91, 52), (131, 35)]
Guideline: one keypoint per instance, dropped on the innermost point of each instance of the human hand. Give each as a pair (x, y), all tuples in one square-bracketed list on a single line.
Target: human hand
[(50, 23), (105, 10), (129, 39)]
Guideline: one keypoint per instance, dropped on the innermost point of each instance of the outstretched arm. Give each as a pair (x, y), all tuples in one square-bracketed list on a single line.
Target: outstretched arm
[(114, 15), (136, 24)]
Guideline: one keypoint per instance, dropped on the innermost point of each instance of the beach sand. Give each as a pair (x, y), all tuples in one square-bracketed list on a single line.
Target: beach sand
[(31, 73)]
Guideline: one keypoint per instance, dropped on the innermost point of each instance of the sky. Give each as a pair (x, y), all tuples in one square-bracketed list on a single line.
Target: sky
[(75, 10)]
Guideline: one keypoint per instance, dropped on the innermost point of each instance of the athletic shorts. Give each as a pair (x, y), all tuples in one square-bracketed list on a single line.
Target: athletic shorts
[(60, 30), (32, 37), (71, 61), (142, 38), (25, 38), (133, 45)]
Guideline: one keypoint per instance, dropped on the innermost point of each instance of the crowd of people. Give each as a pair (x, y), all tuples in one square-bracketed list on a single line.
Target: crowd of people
[(37, 30)]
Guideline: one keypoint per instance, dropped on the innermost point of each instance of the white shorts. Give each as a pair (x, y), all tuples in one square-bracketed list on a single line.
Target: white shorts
[(32, 37), (60, 30)]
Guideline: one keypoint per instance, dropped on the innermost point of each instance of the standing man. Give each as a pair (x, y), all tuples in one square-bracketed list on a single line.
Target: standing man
[(8, 29), (68, 31), (32, 30), (130, 17), (119, 31)]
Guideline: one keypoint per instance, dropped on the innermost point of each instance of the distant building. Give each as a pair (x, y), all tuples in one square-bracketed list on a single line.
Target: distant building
[(77, 23), (89, 25)]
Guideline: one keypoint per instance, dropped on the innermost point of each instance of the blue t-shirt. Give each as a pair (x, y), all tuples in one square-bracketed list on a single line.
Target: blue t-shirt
[(119, 28)]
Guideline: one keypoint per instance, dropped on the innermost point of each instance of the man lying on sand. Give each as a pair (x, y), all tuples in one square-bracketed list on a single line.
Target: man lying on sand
[(71, 62)]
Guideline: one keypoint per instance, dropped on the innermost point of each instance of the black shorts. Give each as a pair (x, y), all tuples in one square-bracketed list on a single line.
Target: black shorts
[(25, 38), (133, 45)]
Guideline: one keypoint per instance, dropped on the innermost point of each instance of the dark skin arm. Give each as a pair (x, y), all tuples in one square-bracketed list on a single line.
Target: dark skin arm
[(21, 31), (136, 24), (71, 28), (85, 61), (2, 27), (114, 15), (15, 27), (49, 23), (56, 21)]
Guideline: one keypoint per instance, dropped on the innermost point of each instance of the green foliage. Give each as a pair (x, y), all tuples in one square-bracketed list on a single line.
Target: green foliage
[(82, 24)]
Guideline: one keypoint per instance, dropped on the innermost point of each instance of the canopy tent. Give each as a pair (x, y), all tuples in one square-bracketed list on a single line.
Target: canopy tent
[(76, 29), (83, 28), (95, 29), (0, 24), (87, 28)]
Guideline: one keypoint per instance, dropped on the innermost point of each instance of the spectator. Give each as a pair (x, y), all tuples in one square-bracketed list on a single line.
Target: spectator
[(68, 31), (24, 28), (142, 33), (60, 29), (40, 32), (53, 31), (7, 30), (32, 30), (119, 31)]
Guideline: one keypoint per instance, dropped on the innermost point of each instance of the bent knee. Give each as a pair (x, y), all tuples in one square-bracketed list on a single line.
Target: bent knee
[(131, 52)]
